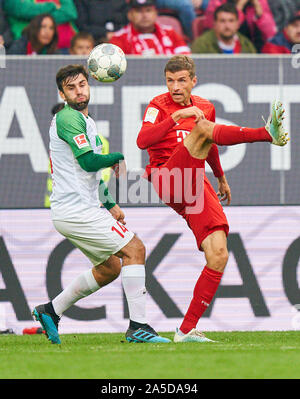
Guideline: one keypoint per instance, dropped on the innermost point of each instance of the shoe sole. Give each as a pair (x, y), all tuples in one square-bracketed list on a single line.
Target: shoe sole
[(48, 326), (277, 111), (194, 340), (191, 338), (155, 340)]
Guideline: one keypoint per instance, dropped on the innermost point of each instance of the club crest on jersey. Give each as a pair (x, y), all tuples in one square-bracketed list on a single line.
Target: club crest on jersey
[(81, 141), (151, 115)]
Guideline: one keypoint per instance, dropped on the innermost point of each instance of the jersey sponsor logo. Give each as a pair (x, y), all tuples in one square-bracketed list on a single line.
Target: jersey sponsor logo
[(81, 141), (181, 134), (151, 115), (205, 303)]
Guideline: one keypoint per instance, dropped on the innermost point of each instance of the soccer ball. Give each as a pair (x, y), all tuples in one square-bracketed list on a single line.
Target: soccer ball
[(106, 62)]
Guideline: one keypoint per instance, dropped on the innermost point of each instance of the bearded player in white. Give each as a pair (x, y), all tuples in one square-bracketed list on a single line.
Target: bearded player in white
[(75, 151)]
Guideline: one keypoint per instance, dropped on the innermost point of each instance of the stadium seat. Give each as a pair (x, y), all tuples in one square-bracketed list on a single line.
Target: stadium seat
[(167, 11), (171, 21), (198, 26)]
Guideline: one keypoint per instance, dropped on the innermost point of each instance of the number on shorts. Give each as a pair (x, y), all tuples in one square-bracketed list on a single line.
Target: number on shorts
[(122, 227)]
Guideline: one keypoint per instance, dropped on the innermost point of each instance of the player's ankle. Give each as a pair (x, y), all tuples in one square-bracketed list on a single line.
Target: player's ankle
[(49, 308), (184, 330), (134, 325)]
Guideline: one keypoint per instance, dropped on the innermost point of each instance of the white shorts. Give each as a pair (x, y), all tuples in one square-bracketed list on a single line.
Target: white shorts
[(98, 237)]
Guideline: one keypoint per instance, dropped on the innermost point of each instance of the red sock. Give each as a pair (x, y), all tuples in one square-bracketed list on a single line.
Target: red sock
[(204, 292), (230, 135)]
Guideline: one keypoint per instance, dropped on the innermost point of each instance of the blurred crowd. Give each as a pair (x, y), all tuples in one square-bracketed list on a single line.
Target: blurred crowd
[(150, 27)]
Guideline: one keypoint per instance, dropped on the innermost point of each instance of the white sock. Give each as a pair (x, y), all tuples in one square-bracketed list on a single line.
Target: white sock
[(82, 286), (133, 280)]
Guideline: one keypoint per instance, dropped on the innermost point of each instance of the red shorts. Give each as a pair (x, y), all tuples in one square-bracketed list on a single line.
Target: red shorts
[(210, 216)]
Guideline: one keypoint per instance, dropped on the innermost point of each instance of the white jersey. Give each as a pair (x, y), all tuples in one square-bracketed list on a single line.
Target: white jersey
[(75, 191)]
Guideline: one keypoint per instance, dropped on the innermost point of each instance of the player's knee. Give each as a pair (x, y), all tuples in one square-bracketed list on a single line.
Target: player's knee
[(135, 251), (202, 128), (219, 259), (222, 258)]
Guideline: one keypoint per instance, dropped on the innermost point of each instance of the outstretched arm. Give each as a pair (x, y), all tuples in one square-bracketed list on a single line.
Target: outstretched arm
[(92, 162), (154, 129), (151, 134)]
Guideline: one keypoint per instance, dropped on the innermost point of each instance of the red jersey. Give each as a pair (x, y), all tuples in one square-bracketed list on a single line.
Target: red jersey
[(164, 40), (271, 48), (163, 139), (160, 109)]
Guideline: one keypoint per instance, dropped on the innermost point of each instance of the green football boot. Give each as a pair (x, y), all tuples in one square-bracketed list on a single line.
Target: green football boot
[(274, 125)]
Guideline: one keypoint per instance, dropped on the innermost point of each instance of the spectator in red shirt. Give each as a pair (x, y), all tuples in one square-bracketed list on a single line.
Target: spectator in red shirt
[(284, 41), (144, 36)]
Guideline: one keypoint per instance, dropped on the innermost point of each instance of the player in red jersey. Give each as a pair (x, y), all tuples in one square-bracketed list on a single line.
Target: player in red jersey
[(180, 133)]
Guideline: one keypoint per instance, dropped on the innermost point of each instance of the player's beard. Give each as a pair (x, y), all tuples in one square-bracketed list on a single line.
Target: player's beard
[(227, 37), (79, 106)]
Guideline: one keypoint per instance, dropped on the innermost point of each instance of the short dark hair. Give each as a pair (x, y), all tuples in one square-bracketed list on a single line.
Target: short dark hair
[(82, 36), (294, 18), (70, 71), (181, 63), (227, 7)]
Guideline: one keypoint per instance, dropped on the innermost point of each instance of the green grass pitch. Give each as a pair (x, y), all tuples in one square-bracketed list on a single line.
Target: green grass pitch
[(236, 355)]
